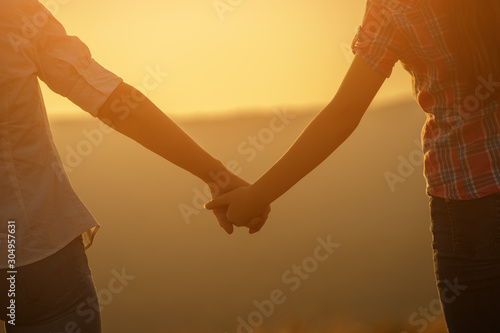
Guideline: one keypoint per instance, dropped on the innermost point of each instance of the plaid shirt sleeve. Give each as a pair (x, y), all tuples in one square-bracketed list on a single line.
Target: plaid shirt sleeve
[(378, 40)]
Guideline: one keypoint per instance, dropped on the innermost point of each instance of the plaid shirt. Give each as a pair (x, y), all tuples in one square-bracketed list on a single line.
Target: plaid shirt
[(460, 138)]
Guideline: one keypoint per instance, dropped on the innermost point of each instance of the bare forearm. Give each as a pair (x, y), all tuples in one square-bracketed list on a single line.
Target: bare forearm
[(319, 140), (325, 133), (142, 121), (322, 137)]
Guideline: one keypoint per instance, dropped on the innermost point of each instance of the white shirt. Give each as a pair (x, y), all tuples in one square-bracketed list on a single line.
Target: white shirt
[(34, 189)]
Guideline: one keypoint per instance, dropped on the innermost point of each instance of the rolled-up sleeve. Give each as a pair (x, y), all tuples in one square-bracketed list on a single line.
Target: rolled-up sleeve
[(378, 42), (66, 65)]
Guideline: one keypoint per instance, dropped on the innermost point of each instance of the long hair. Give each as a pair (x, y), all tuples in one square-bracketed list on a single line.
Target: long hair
[(476, 26)]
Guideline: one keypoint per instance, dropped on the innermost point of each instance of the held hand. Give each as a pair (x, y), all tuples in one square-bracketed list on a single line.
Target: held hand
[(242, 208), (224, 182), (220, 213)]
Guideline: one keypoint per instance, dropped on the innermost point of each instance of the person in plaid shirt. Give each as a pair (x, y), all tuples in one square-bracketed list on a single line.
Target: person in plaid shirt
[(452, 51)]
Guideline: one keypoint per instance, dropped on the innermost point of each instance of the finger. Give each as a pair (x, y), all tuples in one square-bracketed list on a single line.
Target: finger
[(258, 222), (218, 202), (223, 222), (266, 213), (228, 227), (255, 225), (252, 231)]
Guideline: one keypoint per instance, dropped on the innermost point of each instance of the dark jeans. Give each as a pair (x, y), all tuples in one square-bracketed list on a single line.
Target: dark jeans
[(54, 295), (466, 244)]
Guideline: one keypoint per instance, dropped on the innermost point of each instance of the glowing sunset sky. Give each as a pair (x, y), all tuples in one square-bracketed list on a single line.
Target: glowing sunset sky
[(252, 54)]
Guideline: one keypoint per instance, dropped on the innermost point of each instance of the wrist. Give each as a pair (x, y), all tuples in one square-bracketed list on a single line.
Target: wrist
[(221, 180), (258, 194), (212, 171)]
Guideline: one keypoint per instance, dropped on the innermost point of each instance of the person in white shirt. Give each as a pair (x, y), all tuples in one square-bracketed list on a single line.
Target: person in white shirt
[(52, 226)]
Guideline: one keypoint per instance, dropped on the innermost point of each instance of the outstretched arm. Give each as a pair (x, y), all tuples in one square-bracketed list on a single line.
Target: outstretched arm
[(330, 128), (134, 115), (66, 65)]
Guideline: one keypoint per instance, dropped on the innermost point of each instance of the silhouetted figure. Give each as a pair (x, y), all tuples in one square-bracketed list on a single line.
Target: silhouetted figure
[(452, 51), (45, 228)]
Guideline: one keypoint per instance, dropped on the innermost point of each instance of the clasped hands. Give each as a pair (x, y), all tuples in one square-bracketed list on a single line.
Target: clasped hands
[(234, 204)]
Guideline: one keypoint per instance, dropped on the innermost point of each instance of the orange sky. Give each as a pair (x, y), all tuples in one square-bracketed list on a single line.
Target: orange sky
[(249, 54)]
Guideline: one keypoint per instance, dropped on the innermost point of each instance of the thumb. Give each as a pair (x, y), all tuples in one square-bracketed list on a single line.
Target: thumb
[(218, 202), (223, 222)]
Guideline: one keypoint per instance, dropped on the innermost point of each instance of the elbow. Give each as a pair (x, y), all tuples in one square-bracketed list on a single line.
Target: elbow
[(121, 105)]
